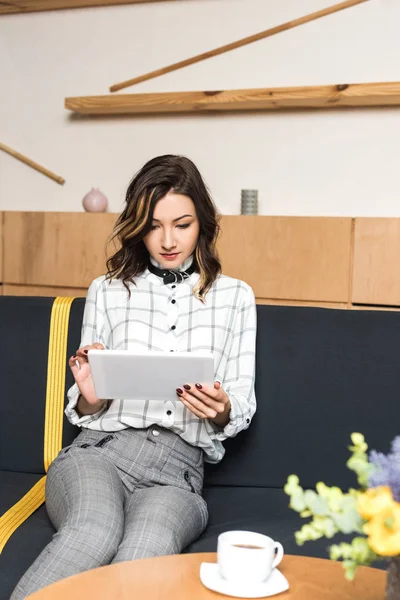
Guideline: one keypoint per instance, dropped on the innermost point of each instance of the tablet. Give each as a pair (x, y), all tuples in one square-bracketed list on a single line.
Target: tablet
[(137, 375)]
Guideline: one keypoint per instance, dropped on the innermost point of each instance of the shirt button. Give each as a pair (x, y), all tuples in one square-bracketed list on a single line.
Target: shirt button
[(155, 432), (247, 420), (173, 327), (173, 301), (173, 287), (169, 412)]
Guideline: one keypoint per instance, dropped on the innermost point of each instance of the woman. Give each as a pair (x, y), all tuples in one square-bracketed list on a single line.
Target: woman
[(130, 484)]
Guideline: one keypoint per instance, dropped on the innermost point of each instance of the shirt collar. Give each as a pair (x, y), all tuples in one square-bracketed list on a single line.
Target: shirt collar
[(192, 280)]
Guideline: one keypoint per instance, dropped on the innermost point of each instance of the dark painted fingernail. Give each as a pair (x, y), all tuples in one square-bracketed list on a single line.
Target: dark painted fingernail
[(199, 386), (179, 391), (186, 386), (86, 351)]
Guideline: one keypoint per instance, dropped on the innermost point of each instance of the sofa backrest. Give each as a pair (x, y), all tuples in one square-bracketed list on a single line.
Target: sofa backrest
[(321, 374), (24, 333)]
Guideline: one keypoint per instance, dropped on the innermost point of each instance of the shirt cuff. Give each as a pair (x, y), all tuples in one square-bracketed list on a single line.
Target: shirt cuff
[(71, 412), (239, 419)]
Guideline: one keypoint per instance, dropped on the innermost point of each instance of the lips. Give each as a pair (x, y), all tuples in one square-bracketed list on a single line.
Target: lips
[(170, 257)]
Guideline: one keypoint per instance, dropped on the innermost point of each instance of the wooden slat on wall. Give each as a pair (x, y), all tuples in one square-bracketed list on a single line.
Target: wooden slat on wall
[(293, 258), (55, 249), (320, 96), (16, 6), (376, 278), (40, 290)]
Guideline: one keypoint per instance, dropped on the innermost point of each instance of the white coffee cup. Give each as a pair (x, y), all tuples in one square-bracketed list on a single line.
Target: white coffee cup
[(247, 556)]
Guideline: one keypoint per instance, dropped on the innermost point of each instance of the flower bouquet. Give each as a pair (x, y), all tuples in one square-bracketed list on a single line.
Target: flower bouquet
[(372, 512)]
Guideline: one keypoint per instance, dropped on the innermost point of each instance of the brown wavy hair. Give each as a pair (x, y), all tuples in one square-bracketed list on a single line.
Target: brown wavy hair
[(168, 173)]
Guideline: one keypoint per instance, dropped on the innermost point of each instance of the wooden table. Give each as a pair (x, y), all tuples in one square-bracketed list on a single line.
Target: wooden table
[(177, 578)]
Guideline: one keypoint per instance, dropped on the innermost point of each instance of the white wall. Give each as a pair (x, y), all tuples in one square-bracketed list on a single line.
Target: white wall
[(311, 163)]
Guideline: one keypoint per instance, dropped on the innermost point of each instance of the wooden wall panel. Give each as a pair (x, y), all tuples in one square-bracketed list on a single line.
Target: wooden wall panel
[(292, 258), (55, 249), (311, 303), (282, 258), (285, 259), (1, 246), (376, 278), (38, 290)]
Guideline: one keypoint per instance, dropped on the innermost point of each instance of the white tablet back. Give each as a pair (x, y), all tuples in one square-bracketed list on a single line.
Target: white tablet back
[(123, 374)]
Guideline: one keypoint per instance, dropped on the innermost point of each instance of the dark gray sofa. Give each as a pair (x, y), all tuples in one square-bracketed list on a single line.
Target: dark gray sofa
[(321, 374)]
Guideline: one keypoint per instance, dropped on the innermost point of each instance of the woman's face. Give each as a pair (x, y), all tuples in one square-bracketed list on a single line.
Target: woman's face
[(175, 230)]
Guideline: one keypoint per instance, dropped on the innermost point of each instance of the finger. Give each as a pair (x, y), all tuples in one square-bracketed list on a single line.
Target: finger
[(192, 409), (217, 385), (76, 359), (214, 402), (74, 364), (202, 407), (202, 390), (82, 353), (85, 349)]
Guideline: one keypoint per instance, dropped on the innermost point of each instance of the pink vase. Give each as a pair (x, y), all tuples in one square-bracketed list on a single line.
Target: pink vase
[(95, 201)]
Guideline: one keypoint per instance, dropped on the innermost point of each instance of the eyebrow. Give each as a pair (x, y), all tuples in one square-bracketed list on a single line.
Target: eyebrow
[(174, 221)]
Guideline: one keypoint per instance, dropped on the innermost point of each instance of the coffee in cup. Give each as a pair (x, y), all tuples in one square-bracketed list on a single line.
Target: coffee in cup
[(247, 556)]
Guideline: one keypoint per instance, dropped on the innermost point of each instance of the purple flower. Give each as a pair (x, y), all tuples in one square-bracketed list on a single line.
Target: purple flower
[(387, 469), (396, 446)]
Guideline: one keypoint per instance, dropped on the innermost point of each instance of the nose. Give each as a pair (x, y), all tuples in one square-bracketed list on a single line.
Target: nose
[(168, 241)]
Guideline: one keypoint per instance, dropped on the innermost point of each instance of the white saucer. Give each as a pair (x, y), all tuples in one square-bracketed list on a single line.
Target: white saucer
[(211, 578)]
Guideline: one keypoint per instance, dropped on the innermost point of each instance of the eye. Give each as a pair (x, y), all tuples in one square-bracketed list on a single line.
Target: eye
[(184, 226), (153, 227)]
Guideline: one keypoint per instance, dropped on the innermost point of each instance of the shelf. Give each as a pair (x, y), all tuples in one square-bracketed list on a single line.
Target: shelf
[(326, 96), (23, 6)]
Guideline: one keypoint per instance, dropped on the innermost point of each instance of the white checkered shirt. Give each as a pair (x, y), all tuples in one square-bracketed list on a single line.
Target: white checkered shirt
[(169, 317)]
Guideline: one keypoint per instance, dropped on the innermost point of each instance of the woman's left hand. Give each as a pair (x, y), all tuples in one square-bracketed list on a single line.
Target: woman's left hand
[(206, 402)]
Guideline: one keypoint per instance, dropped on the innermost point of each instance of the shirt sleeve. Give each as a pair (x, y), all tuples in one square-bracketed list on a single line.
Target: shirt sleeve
[(92, 331), (240, 373)]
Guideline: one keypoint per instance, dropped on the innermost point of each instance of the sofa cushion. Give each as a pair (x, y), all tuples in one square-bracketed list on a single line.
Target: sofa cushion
[(320, 375), (29, 539)]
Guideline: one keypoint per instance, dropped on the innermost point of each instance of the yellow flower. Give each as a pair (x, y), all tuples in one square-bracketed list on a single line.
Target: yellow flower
[(374, 501), (383, 531)]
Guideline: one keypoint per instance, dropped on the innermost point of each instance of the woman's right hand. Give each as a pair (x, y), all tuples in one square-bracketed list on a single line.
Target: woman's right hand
[(82, 373)]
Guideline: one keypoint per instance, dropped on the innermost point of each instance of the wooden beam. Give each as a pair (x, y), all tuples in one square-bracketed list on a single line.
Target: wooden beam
[(31, 163), (325, 96), (23, 6), (239, 43)]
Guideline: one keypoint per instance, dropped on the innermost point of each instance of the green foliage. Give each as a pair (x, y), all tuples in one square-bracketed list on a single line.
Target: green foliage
[(358, 462), (353, 555), (331, 510)]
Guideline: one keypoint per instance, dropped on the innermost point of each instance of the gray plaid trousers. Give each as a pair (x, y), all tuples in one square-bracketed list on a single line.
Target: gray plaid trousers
[(119, 496)]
